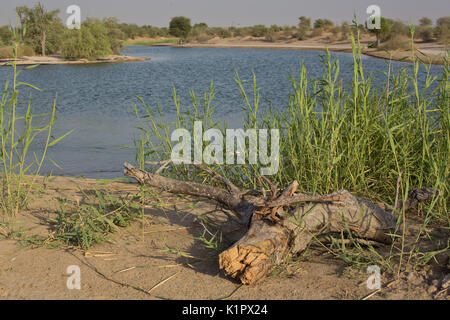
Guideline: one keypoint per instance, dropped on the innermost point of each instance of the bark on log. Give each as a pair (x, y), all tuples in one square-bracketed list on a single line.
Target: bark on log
[(283, 225)]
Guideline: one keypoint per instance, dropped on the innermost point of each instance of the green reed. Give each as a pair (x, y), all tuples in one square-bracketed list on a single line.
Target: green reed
[(18, 132), (359, 137)]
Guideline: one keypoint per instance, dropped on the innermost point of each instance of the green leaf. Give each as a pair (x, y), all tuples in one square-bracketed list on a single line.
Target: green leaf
[(59, 139)]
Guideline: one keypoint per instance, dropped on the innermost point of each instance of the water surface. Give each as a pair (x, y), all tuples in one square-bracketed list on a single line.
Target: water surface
[(97, 101)]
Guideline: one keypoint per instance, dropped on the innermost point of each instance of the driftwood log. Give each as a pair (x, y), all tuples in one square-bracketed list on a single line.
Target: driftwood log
[(282, 223)]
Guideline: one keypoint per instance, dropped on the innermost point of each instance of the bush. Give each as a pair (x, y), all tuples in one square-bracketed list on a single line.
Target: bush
[(345, 31), (396, 42), (6, 52), (301, 34), (317, 32), (271, 36), (200, 37), (90, 42), (5, 35), (323, 24), (426, 33), (258, 30), (400, 29), (443, 34)]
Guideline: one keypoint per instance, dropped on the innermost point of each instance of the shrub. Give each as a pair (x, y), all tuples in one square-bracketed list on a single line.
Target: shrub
[(90, 42), (426, 33), (396, 42), (317, 32), (301, 34), (443, 34), (259, 30), (7, 52), (271, 35), (323, 24)]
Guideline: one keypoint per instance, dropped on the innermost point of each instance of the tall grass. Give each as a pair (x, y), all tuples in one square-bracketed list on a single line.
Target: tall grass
[(377, 141), (361, 137), (18, 132)]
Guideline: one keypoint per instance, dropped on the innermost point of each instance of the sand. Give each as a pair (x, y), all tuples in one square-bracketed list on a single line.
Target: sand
[(135, 263), (52, 60)]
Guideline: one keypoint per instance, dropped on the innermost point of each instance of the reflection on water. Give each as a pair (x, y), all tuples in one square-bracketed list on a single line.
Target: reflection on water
[(97, 100)]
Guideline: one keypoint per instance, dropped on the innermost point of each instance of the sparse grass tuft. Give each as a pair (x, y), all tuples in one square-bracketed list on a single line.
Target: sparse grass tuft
[(92, 223)]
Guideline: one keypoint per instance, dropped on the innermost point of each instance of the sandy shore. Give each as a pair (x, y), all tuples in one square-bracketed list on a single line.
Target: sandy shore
[(427, 52), (159, 256), (50, 60)]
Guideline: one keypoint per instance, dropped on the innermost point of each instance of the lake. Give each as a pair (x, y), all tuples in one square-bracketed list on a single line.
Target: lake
[(97, 101)]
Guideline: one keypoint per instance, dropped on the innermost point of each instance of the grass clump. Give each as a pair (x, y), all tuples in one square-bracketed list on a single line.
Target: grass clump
[(93, 223)]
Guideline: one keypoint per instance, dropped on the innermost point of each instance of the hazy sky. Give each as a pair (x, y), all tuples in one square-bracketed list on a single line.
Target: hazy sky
[(237, 12)]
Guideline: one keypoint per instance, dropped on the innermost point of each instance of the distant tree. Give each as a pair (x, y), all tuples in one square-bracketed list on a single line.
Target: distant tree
[(323, 24), (384, 32), (398, 28), (442, 30), (443, 21), (305, 23), (425, 29), (258, 30), (38, 22), (275, 28), (115, 34), (425, 22), (345, 30), (200, 25), (180, 27), (304, 26), (5, 35)]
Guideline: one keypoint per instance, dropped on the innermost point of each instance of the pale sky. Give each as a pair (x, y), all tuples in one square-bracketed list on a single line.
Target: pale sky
[(237, 12)]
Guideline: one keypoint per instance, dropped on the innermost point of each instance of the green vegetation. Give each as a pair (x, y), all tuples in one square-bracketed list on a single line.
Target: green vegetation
[(360, 137), (43, 29), (46, 34), (372, 140), (92, 223), (18, 132), (180, 27), (90, 42)]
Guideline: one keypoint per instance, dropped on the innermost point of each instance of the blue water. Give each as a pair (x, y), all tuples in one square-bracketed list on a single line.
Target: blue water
[(97, 101)]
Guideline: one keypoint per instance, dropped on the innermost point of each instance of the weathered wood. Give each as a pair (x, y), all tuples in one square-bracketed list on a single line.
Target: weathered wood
[(283, 225)]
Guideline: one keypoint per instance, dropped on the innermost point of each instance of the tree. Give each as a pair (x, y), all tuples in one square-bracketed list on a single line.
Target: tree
[(425, 22), (180, 27), (38, 23), (259, 30), (90, 42), (383, 32), (323, 23), (304, 26), (5, 35), (115, 34), (443, 29), (443, 21)]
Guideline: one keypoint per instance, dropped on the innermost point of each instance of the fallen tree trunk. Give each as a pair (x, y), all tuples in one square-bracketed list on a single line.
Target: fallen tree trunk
[(282, 225)]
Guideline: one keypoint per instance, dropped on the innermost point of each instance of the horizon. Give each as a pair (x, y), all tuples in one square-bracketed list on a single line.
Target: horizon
[(283, 12)]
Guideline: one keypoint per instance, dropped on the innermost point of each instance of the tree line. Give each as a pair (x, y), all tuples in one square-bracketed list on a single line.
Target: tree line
[(44, 33)]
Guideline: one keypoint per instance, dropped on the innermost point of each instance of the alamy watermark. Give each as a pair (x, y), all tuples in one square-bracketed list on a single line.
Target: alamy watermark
[(235, 147), (373, 22), (374, 280), (74, 20), (74, 280)]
